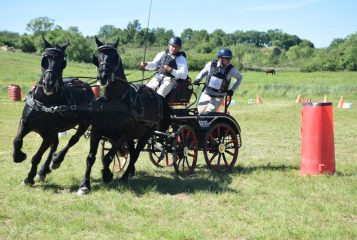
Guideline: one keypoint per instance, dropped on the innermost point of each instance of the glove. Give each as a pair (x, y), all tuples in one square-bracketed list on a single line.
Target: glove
[(143, 65), (167, 69), (196, 82), (230, 93)]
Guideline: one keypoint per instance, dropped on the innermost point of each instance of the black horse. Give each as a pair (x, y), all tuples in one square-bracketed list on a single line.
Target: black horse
[(40, 113), (124, 113)]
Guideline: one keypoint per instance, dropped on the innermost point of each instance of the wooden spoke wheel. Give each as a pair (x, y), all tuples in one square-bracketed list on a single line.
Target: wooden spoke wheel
[(159, 153), (186, 148), (120, 160), (221, 147)]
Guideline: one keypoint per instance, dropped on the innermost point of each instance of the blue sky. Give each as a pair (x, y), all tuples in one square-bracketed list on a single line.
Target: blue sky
[(319, 21)]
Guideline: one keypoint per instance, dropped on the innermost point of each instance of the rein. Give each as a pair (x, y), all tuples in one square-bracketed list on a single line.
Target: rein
[(135, 81)]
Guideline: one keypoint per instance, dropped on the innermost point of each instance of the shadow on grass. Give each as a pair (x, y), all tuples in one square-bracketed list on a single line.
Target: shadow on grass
[(144, 182), (268, 167)]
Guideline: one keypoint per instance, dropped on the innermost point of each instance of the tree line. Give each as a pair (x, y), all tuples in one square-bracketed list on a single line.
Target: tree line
[(253, 50)]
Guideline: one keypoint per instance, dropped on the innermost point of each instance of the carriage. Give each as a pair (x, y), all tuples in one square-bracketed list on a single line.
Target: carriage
[(216, 134)]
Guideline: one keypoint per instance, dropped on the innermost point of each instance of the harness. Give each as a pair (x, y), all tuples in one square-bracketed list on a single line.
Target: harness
[(169, 60), (70, 87), (130, 103), (217, 79)]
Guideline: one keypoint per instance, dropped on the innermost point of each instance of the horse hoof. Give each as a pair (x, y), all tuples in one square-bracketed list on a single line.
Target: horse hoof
[(19, 157), (83, 191), (40, 178), (107, 176), (28, 182), (55, 165)]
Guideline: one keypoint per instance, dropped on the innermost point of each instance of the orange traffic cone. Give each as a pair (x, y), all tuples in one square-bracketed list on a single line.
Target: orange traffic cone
[(298, 99), (258, 100), (325, 99), (341, 102)]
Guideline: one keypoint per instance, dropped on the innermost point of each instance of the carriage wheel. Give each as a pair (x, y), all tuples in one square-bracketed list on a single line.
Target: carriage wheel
[(186, 151), (221, 147), (120, 159), (158, 153)]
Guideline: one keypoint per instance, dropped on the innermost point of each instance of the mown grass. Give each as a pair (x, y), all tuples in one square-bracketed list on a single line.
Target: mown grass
[(264, 198)]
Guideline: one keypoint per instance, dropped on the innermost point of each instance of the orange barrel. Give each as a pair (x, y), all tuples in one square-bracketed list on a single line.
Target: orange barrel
[(9, 90), (317, 139), (15, 92), (96, 91)]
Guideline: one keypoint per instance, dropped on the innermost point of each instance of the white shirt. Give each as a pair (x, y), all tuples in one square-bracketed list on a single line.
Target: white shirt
[(179, 73)]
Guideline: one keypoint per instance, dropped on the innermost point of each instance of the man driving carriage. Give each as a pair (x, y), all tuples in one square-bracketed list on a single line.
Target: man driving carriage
[(171, 65), (219, 73)]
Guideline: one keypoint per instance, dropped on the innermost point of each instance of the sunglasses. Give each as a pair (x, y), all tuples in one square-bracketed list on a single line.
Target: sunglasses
[(227, 58)]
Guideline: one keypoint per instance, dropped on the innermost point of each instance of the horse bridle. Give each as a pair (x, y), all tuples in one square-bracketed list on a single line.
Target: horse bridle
[(52, 53), (111, 68)]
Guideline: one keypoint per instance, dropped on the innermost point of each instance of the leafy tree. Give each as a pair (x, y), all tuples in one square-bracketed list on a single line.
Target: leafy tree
[(205, 48), (26, 44), (162, 36), (133, 28), (306, 43), (350, 52), (40, 25), (336, 42), (107, 31), (187, 34), (9, 39)]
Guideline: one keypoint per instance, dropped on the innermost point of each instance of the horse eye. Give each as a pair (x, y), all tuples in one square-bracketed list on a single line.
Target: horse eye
[(44, 62)]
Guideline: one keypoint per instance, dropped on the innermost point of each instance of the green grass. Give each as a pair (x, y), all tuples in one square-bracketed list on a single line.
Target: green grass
[(264, 198)]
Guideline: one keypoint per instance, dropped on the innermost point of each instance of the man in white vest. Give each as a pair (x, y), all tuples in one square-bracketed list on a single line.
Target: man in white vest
[(219, 73)]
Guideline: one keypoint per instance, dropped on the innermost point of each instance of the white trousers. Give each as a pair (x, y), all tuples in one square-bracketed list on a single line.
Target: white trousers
[(161, 84), (207, 103)]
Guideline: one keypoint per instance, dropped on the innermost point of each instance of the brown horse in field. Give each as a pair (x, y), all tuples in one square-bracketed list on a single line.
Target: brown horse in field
[(270, 70)]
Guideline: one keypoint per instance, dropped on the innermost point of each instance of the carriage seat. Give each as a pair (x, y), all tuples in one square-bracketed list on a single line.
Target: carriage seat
[(180, 94)]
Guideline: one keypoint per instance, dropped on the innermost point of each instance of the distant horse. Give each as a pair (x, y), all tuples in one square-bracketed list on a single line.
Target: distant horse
[(124, 113), (40, 115), (270, 70)]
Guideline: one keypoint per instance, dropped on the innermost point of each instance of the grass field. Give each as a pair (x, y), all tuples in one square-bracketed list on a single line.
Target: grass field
[(264, 198)]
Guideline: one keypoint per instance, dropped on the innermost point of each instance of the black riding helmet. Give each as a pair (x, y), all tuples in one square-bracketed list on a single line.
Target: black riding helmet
[(225, 53), (175, 41)]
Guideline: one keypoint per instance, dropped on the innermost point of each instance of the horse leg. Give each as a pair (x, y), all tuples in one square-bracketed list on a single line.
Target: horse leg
[(46, 143), (134, 154), (107, 175), (45, 169), (18, 155), (85, 186), (58, 158)]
